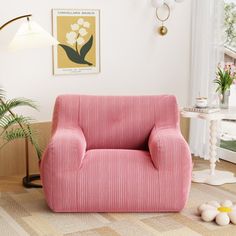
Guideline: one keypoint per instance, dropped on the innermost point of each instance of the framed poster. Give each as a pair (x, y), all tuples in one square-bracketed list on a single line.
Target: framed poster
[(78, 34)]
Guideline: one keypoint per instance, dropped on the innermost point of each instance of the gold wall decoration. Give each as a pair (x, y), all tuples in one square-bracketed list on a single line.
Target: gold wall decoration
[(163, 29), (163, 11), (78, 34)]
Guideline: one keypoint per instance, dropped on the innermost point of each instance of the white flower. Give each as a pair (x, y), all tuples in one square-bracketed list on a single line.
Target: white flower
[(80, 21), (86, 24), (74, 27), (80, 40), (222, 213), (83, 32), (71, 37)]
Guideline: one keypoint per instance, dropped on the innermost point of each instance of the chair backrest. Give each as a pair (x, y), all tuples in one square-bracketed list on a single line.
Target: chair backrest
[(113, 122)]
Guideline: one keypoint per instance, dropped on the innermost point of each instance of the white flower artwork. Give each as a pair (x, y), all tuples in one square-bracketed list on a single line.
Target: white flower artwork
[(83, 32), (75, 27), (80, 40), (71, 38), (78, 34), (80, 21)]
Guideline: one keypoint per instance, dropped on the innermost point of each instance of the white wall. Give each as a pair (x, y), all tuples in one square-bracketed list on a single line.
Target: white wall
[(134, 58)]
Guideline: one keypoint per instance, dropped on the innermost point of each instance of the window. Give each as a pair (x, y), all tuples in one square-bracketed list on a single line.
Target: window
[(230, 40), (228, 128)]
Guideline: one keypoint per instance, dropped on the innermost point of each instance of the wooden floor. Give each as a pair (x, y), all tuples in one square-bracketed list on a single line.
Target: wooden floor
[(25, 212), (200, 164)]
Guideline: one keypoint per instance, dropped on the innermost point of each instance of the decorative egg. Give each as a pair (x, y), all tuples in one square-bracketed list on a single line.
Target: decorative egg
[(204, 207), (209, 214), (222, 219), (227, 203), (232, 216), (223, 213), (214, 203)]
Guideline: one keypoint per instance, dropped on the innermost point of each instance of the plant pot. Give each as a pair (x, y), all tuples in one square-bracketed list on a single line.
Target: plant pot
[(224, 99)]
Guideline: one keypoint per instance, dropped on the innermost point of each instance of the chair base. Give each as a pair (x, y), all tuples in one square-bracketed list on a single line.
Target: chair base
[(27, 181)]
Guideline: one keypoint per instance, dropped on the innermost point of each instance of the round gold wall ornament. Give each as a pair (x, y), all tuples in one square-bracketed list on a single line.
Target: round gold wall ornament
[(163, 29)]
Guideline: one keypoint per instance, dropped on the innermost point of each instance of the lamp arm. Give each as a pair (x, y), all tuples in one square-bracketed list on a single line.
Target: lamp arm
[(14, 19)]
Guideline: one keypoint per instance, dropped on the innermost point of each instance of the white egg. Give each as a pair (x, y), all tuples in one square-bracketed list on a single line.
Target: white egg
[(227, 203), (204, 207), (209, 215), (232, 216), (214, 203), (222, 219)]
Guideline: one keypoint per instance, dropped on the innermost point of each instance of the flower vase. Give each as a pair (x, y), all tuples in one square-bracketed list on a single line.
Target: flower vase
[(224, 99)]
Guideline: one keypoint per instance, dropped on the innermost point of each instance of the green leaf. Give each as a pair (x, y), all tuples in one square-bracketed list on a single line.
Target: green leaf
[(32, 137), (13, 134), (73, 55), (6, 106), (86, 47), (2, 93), (16, 102), (224, 80), (9, 120)]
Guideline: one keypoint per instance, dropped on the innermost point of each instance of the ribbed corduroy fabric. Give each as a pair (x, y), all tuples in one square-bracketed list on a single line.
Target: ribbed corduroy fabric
[(116, 154)]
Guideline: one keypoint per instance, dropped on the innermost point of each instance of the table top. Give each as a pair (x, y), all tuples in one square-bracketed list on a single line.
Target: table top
[(229, 114)]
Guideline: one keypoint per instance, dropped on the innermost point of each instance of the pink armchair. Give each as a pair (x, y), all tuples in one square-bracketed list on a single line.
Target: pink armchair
[(116, 154)]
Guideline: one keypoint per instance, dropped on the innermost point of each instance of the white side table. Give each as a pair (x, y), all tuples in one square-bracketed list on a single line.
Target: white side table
[(212, 176)]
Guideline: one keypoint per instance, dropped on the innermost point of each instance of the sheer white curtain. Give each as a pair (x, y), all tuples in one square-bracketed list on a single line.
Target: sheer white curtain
[(206, 53)]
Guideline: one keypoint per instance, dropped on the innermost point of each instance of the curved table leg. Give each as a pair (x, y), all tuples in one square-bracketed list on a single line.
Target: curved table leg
[(213, 176)]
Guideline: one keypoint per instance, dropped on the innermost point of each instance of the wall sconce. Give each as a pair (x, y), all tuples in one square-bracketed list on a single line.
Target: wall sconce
[(164, 6)]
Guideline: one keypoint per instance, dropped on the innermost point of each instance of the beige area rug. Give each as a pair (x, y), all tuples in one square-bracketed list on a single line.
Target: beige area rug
[(24, 212)]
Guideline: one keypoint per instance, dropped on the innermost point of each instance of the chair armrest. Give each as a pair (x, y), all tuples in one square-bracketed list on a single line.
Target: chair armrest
[(169, 150), (65, 151)]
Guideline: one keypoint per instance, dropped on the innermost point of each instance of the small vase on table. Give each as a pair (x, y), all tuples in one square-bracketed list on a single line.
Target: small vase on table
[(224, 99), (225, 77)]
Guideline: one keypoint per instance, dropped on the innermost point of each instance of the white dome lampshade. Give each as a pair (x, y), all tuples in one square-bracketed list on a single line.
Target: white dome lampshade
[(31, 35), (157, 3)]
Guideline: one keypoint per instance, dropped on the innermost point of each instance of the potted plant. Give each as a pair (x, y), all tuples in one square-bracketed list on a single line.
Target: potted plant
[(226, 76), (14, 126)]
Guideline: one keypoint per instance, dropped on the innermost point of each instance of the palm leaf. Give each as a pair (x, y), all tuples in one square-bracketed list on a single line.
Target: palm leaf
[(6, 106), (16, 102), (32, 138), (2, 92), (9, 120), (13, 134)]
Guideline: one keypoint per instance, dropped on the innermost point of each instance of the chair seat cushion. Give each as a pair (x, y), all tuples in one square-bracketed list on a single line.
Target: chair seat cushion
[(113, 180)]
